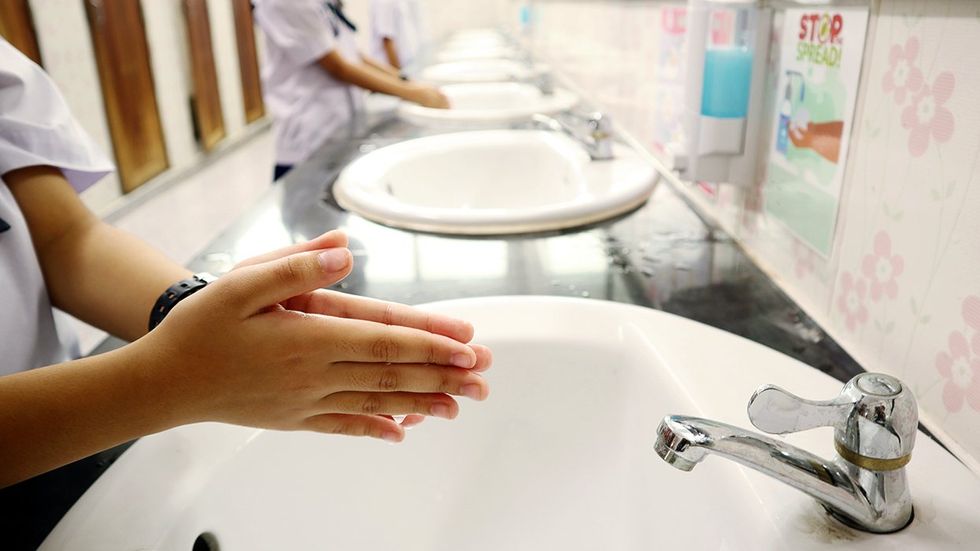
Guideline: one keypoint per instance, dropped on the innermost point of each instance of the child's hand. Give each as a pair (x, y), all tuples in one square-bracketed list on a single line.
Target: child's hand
[(430, 97), (265, 346)]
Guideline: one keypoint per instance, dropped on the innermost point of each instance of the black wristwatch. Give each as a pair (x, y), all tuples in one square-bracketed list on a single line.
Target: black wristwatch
[(176, 293)]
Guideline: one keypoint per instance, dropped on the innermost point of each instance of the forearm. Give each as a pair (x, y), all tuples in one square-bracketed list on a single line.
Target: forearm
[(369, 78), (108, 278), (55, 415), (392, 53), (383, 67), (95, 272)]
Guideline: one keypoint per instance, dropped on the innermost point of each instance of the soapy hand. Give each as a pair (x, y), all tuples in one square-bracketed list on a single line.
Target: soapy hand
[(265, 346)]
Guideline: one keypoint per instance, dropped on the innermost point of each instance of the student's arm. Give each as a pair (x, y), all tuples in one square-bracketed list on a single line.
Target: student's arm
[(262, 346), (93, 271), (383, 67), (391, 52), (371, 79)]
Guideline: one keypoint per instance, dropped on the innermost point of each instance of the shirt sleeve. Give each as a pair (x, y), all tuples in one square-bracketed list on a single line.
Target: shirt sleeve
[(297, 27), (384, 18), (37, 128)]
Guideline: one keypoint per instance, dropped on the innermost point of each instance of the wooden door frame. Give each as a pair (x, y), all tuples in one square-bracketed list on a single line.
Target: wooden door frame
[(135, 167), (206, 99), (248, 61)]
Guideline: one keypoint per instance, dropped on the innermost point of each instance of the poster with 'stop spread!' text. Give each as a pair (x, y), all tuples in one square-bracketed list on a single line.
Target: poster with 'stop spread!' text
[(819, 71)]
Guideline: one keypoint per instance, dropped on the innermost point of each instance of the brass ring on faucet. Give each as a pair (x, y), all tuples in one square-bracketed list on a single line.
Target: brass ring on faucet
[(871, 463)]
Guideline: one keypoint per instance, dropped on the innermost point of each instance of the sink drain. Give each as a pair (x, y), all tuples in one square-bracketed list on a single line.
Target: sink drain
[(206, 542)]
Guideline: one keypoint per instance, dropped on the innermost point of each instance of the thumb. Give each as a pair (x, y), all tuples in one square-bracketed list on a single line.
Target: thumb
[(253, 288), (333, 238)]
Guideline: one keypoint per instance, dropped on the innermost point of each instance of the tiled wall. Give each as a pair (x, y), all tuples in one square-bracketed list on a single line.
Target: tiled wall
[(901, 288)]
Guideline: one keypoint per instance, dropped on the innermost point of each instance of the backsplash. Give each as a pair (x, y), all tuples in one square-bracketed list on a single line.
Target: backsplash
[(900, 289)]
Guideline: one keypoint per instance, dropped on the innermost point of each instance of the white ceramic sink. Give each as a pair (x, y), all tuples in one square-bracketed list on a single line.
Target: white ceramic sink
[(492, 182), (461, 52), (489, 104), (478, 70), (476, 38), (559, 457)]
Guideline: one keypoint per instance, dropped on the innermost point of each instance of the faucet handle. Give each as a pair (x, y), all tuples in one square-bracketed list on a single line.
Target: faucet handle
[(875, 418), (777, 411)]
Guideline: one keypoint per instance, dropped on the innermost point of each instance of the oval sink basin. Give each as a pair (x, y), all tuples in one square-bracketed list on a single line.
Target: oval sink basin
[(476, 37), (488, 104), (559, 457), (478, 70), (492, 182), (477, 51)]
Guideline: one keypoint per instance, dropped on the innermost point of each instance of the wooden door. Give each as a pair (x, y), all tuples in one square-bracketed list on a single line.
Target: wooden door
[(123, 59), (206, 101), (17, 26), (248, 62)]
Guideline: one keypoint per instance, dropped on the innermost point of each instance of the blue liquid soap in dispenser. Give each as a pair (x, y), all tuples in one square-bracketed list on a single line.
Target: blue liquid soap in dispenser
[(727, 68), (725, 40)]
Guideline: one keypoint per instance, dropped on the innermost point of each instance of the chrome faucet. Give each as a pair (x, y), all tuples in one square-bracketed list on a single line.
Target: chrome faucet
[(599, 139), (875, 419)]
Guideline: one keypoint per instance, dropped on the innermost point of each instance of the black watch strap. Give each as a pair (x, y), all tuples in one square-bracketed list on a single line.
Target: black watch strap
[(176, 293)]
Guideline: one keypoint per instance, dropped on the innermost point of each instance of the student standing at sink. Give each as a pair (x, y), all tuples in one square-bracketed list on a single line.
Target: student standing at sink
[(262, 346), (314, 76), (396, 33)]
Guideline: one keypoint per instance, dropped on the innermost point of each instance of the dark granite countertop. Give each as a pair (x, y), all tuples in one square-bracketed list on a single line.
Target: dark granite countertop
[(662, 255)]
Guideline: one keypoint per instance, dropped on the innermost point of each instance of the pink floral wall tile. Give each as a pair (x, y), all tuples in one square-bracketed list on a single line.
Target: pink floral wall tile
[(901, 289)]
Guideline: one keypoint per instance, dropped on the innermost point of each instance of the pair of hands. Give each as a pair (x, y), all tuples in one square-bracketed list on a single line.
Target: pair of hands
[(265, 346)]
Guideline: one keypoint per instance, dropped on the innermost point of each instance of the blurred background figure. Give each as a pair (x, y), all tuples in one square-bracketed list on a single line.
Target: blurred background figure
[(314, 76), (396, 33)]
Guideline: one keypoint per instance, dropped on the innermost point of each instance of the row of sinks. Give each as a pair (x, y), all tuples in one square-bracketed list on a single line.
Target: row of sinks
[(562, 456), (502, 180)]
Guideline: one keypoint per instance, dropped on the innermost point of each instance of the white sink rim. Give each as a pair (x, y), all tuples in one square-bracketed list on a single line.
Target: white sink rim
[(464, 52), (561, 100), (359, 187), (479, 70), (160, 472)]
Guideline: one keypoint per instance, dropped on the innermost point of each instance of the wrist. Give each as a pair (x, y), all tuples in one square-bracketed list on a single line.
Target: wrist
[(158, 398), (414, 92), (176, 293)]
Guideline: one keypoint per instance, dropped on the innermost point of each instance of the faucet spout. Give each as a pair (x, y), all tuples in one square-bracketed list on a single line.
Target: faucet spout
[(854, 495), (598, 140)]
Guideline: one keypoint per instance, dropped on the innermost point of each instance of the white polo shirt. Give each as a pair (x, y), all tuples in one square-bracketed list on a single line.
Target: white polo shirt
[(397, 20), (36, 128), (307, 105)]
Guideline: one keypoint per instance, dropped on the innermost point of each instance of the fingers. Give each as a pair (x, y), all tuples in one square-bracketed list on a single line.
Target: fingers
[(342, 305), (330, 240), (412, 420), (484, 358), (423, 378), (366, 341), (256, 287), (374, 426), (390, 403)]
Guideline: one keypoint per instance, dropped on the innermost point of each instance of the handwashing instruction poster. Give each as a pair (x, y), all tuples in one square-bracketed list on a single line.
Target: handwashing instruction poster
[(819, 70)]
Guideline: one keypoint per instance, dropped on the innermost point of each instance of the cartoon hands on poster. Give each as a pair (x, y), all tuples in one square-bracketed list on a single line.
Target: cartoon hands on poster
[(823, 138)]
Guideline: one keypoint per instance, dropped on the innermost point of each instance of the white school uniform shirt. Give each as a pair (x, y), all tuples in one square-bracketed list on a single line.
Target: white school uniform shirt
[(307, 105), (399, 21), (36, 128)]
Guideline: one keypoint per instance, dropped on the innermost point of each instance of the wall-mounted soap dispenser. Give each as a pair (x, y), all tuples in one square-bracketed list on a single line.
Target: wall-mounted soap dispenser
[(727, 47)]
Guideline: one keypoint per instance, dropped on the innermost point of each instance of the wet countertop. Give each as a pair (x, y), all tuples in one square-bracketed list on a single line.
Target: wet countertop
[(662, 255)]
